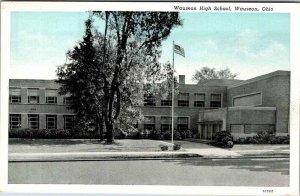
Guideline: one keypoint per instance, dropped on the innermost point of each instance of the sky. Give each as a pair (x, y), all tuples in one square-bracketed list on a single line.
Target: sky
[(248, 44)]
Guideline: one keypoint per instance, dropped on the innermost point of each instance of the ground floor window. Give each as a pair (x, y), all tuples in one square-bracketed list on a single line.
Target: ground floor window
[(33, 121), (149, 123), (15, 121), (182, 123), (68, 122), (166, 123), (51, 121)]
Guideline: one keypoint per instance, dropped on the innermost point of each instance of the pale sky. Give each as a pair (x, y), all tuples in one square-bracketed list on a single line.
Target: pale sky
[(249, 44)]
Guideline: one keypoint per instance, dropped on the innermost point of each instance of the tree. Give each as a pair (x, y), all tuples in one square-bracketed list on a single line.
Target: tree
[(138, 36), (77, 78), (207, 73), (118, 63)]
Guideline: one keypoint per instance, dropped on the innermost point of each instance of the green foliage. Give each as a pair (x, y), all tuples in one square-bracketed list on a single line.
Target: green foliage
[(164, 147), (177, 136), (264, 137), (207, 73), (40, 134), (105, 73), (223, 139), (176, 146)]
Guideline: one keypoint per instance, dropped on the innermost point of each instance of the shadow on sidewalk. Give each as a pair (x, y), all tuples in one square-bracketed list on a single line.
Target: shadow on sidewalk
[(259, 165)]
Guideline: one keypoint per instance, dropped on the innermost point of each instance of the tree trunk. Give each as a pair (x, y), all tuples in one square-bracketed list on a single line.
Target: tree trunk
[(101, 127), (109, 132)]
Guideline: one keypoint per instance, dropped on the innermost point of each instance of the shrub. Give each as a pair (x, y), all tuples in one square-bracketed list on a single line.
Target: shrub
[(188, 134), (167, 135), (177, 136), (164, 147), (223, 139), (265, 137), (176, 146)]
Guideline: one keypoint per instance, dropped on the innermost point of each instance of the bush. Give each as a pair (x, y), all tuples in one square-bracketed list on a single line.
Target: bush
[(164, 147), (176, 146), (177, 136), (223, 139), (264, 137), (41, 134), (167, 135)]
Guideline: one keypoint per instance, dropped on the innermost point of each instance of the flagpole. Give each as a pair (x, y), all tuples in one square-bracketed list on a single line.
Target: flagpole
[(173, 97)]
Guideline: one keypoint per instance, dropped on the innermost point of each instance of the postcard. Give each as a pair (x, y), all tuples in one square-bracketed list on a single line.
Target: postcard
[(183, 98)]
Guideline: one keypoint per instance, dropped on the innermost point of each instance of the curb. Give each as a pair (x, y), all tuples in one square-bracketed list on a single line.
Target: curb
[(97, 157)]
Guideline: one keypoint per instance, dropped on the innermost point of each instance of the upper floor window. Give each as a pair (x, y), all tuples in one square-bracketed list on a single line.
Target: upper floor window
[(199, 100), (15, 121), (166, 101), (215, 101), (33, 96), (51, 96), (183, 99), (14, 95), (67, 100), (149, 100)]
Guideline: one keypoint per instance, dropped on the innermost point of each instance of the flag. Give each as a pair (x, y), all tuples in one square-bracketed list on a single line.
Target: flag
[(179, 50)]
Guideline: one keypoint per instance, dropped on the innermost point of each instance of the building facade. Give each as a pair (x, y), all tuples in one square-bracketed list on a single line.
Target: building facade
[(243, 107)]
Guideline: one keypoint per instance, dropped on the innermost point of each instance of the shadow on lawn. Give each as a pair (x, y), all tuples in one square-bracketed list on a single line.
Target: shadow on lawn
[(260, 165), (43, 142)]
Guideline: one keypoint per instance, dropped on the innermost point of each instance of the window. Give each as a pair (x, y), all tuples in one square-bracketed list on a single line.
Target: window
[(149, 123), (183, 99), (166, 123), (199, 100), (67, 100), (51, 121), (166, 101), (51, 96), (15, 121), (149, 100), (33, 95), (14, 95), (182, 123), (215, 101), (68, 122), (33, 121)]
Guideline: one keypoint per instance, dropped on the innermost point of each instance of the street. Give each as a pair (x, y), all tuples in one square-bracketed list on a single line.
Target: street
[(193, 171)]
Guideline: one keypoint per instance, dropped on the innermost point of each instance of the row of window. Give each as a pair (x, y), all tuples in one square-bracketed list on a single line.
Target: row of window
[(33, 96), (33, 121), (166, 123), (183, 100)]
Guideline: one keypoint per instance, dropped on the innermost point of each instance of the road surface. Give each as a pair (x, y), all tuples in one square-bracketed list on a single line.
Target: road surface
[(195, 171)]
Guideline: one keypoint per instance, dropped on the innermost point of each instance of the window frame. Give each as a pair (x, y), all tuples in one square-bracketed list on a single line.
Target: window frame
[(183, 103), (19, 121), (33, 116), (52, 117)]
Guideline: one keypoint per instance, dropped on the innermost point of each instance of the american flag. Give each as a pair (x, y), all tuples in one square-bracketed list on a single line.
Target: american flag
[(179, 50)]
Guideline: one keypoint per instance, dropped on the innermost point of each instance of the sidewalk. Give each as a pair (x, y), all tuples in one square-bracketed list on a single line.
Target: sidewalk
[(189, 150)]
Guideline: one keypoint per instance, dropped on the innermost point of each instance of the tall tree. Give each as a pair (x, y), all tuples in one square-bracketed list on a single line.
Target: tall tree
[(114, 66), (207, 73), (138, 36)]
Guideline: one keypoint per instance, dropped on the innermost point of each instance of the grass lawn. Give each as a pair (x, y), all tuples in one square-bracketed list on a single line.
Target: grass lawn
[(265, 149), (56, 145)]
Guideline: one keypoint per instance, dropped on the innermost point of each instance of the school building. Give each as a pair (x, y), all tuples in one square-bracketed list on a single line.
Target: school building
[(243, 107)]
